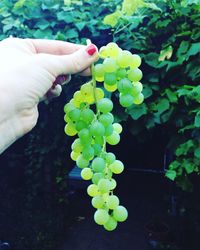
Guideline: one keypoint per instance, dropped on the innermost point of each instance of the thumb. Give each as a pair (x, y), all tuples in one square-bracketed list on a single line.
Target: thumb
[(69, 64)]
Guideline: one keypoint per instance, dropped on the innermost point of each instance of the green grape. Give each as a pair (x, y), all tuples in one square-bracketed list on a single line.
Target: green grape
[(97, 202), (120, 214), (117, 167), (99, 140), (105, 105), (113, 184), (124, 59), (117, 127), (66, 118), (126, 100), (111, 224), (76, 146), (103, 52), (87, 115), (99, 93), (88, 152), (101, 216), (79, 125), (113, 139), (135, 75), (138, 99), (74, 155), (97, 129), (97, 177), (86, 90), (112, 202), (109, 130), (110, 158), (84, 136), (74, 114), (125, 86), (98, 164), (81, 162), (110, 65), (92, 190), (99, 70), (97, 149), (86, 174), (106, 119), (104, 185), (70, 129), (113, 49), (110, 88), (68, 107), (121, 73), (135, 62), (137, 88), (78, 99), (110, 79)]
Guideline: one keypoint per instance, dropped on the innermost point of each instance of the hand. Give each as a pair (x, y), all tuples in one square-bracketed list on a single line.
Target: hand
[(28, 71)]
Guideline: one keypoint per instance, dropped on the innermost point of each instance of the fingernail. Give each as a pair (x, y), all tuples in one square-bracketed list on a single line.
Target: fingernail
[(91, 49), (60, 80)]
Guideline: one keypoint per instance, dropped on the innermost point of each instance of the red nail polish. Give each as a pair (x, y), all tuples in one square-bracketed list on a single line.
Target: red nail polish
[(91, 49)]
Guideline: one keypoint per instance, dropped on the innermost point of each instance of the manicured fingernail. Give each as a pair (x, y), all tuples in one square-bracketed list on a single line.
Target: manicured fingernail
[(91, 50), (60, 80)]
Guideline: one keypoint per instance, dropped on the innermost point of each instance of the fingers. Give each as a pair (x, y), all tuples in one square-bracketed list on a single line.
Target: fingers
[(53, 47), (69, 64)]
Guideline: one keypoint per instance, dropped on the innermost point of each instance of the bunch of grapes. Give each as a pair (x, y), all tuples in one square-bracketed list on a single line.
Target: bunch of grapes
[(88, 115)]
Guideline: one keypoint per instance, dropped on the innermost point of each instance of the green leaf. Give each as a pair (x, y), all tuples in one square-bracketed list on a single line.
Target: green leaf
[(71, 33), (152, 6), (171, 174), (189, 167), (163, 105), (136, 111), (147, 91), (165, 53), (184, 148), (197, 152), (42, 24), (171, 96), (182, 48), (197, 120), (194, 49), (65, 16), (112, 19), (80, 25), (129, 6)]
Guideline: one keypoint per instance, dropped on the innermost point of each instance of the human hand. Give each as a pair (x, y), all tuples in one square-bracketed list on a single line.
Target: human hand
[(28, 72)]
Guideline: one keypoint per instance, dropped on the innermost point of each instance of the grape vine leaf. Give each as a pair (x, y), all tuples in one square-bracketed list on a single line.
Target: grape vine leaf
[(112, 19), (171, 174), (163, 105), (197, 120), (136, 111)]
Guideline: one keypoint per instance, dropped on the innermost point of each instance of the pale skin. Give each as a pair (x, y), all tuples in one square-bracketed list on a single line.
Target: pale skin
[(28, 69)]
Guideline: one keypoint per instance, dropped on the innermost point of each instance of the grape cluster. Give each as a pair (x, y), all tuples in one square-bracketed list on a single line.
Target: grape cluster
[(88, 115), (119, 71)]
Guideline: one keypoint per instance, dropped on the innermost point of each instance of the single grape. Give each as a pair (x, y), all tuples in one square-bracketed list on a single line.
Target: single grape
[(98, 164), (99, 140), (105, 105), (87, 115), (99, 94), (113, 184), (113, 139), (99, 70), (110, 88), (66, 118), (135, 75), (70, 129), (138, 99), (97, 149), (113, 49), (81, 162), (109, 130), (92, 190), (126, 100), (110, 79), (117, 167), (121, 73), (84, 136), (97, 202), (79, 125), (97, 129), (125, 86), (103, 52), (112, 202), (68, 107), (120, 213), (117, 127), (86, 174), (76, 146), (86, 90), (136, 61), (101, 216), (88, 152), (74, 114), (110, 65), (111, 224), (124, 59), (106, 119), (74, 155), (137, 88), (104, 185), (110, 158)]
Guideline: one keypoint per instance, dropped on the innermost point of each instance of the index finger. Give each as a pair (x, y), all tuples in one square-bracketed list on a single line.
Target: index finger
[(53, 47)]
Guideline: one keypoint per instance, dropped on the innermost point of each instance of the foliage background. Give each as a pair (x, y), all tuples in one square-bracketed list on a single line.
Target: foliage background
[(166, 35)]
